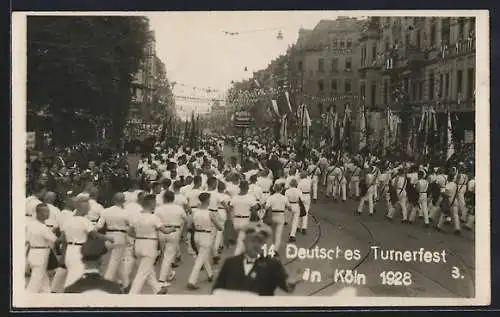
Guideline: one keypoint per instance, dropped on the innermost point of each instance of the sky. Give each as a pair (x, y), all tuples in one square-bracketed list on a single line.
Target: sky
[(197, 52)]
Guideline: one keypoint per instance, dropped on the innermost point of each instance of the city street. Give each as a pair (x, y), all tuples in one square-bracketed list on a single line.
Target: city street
[(333, 225)]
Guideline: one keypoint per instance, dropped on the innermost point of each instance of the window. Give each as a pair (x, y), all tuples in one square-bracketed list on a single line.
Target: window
[(387, 45), (471, 80), (446, 92), (334, 85), (461, 28), (320, 85), (348, 63), (342, 44), (472, 25), (419, 39), (406, 85), (374, 94), (335, 64), (433, 35), (414, 91), (349, 43), (374, 52), (445, 30), (362, 90), (441, 86), (420, 90), (363, 55), (386, 92), (431, 86), (321, 65), (459, 81), (299, 66), (407, 40), (335, 43), (347, 86)]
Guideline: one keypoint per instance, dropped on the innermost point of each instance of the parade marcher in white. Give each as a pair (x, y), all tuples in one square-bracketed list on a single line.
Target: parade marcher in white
[(242, 206), (305, 185), (330, 180), (293, 194), (222, 209), (450, 207), (172, 216), (367, 193), (41, 239), (116, 220), (399, 193), (461, 180), (354, 181), (421, 187), (278, 204), (144, 228), (205, 223), (76, 229), (340, 182), (314, 172)]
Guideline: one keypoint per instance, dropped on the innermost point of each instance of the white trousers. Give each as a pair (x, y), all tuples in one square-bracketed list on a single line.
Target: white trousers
[(145, 275), (303, 221), (204, 242), (115, 257), (74, 264), (39, 281), (295, 219)]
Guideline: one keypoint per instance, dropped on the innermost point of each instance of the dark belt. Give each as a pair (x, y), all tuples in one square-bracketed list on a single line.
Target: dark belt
[(201, 230), (94, 221), (38, 247), (173, 226), (278, 211), (423, 193), (241, 216), (116, 230), (265, 192), (28, 215), (193, 207), (305, 192), (75, 243), (145, 238), (294, 202), (213, 209)]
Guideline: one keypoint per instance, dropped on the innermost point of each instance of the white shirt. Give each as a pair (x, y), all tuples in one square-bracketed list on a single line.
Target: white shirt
[(255, 190), (192, 197), (185, 189), (146, 225), (63, 216), (277, 201), (242, 204), (130, 196), (115, 217), (31, 203), (265, 183), (77, 228), (232, 189), (293, 195), (53, 214), (95, 210), (39, 235), (171, 214), (305, 185), (214, 200), (183, 171), (132, 210)]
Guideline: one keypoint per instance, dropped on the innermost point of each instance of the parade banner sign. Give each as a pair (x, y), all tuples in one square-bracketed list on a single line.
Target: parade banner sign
[(243, 119)]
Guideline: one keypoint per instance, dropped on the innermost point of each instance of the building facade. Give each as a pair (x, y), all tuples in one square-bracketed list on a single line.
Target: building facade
[(323, 66), (407, 63), (143, 83)]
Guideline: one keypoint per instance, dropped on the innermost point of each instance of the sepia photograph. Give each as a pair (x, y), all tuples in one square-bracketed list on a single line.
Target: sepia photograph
[(250, 158)]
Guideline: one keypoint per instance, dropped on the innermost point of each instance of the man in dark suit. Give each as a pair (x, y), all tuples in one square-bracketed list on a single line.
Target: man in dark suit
[(253, 272), (92, 281)]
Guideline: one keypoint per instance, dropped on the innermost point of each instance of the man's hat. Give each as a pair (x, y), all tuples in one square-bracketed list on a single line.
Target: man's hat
[(260, 229), (93, 249)]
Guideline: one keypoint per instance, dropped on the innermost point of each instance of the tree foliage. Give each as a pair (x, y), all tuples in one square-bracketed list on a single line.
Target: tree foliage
[(82, 67)]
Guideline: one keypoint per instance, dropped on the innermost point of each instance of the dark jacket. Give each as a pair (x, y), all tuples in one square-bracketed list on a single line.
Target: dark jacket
[(266, 275), (94, 282)]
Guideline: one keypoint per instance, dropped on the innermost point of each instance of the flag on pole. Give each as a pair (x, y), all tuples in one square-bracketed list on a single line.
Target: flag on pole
[(274, 104), (449, 138), (362, 128), (287, 96), (283, 130)]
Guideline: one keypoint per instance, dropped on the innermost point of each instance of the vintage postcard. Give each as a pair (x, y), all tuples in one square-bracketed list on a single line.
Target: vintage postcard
[(250, 159)]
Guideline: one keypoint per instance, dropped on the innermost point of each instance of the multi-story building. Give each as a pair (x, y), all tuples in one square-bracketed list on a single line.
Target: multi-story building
[(323, 65), (144, 83), (407, 63)]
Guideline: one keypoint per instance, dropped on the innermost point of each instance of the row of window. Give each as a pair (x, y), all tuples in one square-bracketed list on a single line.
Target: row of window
[(335, 85), (334, 65)]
